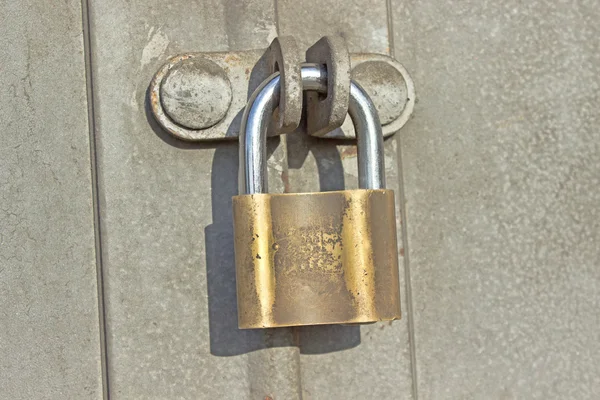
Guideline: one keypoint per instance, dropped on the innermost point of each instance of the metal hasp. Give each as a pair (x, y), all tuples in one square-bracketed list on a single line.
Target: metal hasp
[(314, 258), (324, 113), (285, 58), (200, 96)]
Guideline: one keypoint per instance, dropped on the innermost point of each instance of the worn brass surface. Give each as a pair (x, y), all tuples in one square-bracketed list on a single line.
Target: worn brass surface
[(316, 258)]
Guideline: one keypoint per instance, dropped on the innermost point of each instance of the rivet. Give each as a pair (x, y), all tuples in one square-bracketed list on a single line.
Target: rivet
[(385, 86), (196, 93)]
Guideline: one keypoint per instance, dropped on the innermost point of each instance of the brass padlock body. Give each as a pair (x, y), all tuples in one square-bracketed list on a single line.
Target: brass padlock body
[(316, 258)]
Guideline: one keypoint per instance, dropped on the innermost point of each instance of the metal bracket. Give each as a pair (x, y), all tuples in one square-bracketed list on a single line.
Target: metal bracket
[(326, 113), (285, 58), (201, 96)]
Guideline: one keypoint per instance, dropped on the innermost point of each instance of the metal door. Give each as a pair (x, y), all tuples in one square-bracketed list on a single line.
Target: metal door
[(116, 248)]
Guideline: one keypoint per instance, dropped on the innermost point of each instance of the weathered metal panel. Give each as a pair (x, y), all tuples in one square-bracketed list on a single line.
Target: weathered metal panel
[(371, 361), (501, 170), (500, 167), (167, 229), (49, 323)]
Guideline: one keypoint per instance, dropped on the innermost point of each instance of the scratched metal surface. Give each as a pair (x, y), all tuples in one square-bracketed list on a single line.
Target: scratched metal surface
[(49, 322), (166, 215), (502, 171), (497, 176)]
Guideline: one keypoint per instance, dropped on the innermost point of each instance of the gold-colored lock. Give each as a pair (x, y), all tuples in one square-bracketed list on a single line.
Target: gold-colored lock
[(314, 258)]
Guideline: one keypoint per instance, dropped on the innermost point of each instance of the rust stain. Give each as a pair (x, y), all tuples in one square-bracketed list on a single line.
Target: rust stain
[(269, 398), (247, 71), (176, 59), (401, 251), (348, 152), (232, 59), (285, 178), (154, 98)]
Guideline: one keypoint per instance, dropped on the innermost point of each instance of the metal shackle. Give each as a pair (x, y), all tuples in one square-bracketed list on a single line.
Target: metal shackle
[(257, 116)]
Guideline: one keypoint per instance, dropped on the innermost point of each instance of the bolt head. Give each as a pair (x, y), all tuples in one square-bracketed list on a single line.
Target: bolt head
[(385, 85), (196, 93)]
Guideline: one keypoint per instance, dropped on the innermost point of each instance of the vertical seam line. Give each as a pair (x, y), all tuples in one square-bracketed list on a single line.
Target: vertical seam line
[(87, 48), (276, 11), (404, 230), (295, 332)]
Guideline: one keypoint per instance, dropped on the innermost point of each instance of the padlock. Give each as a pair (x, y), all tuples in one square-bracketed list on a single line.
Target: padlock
[(314, 258)]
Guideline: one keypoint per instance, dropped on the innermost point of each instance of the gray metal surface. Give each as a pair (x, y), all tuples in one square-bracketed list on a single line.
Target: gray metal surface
[(258, 114), (500, 199), (49, 323), (196, 93), (502, 182), (166, 216)]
